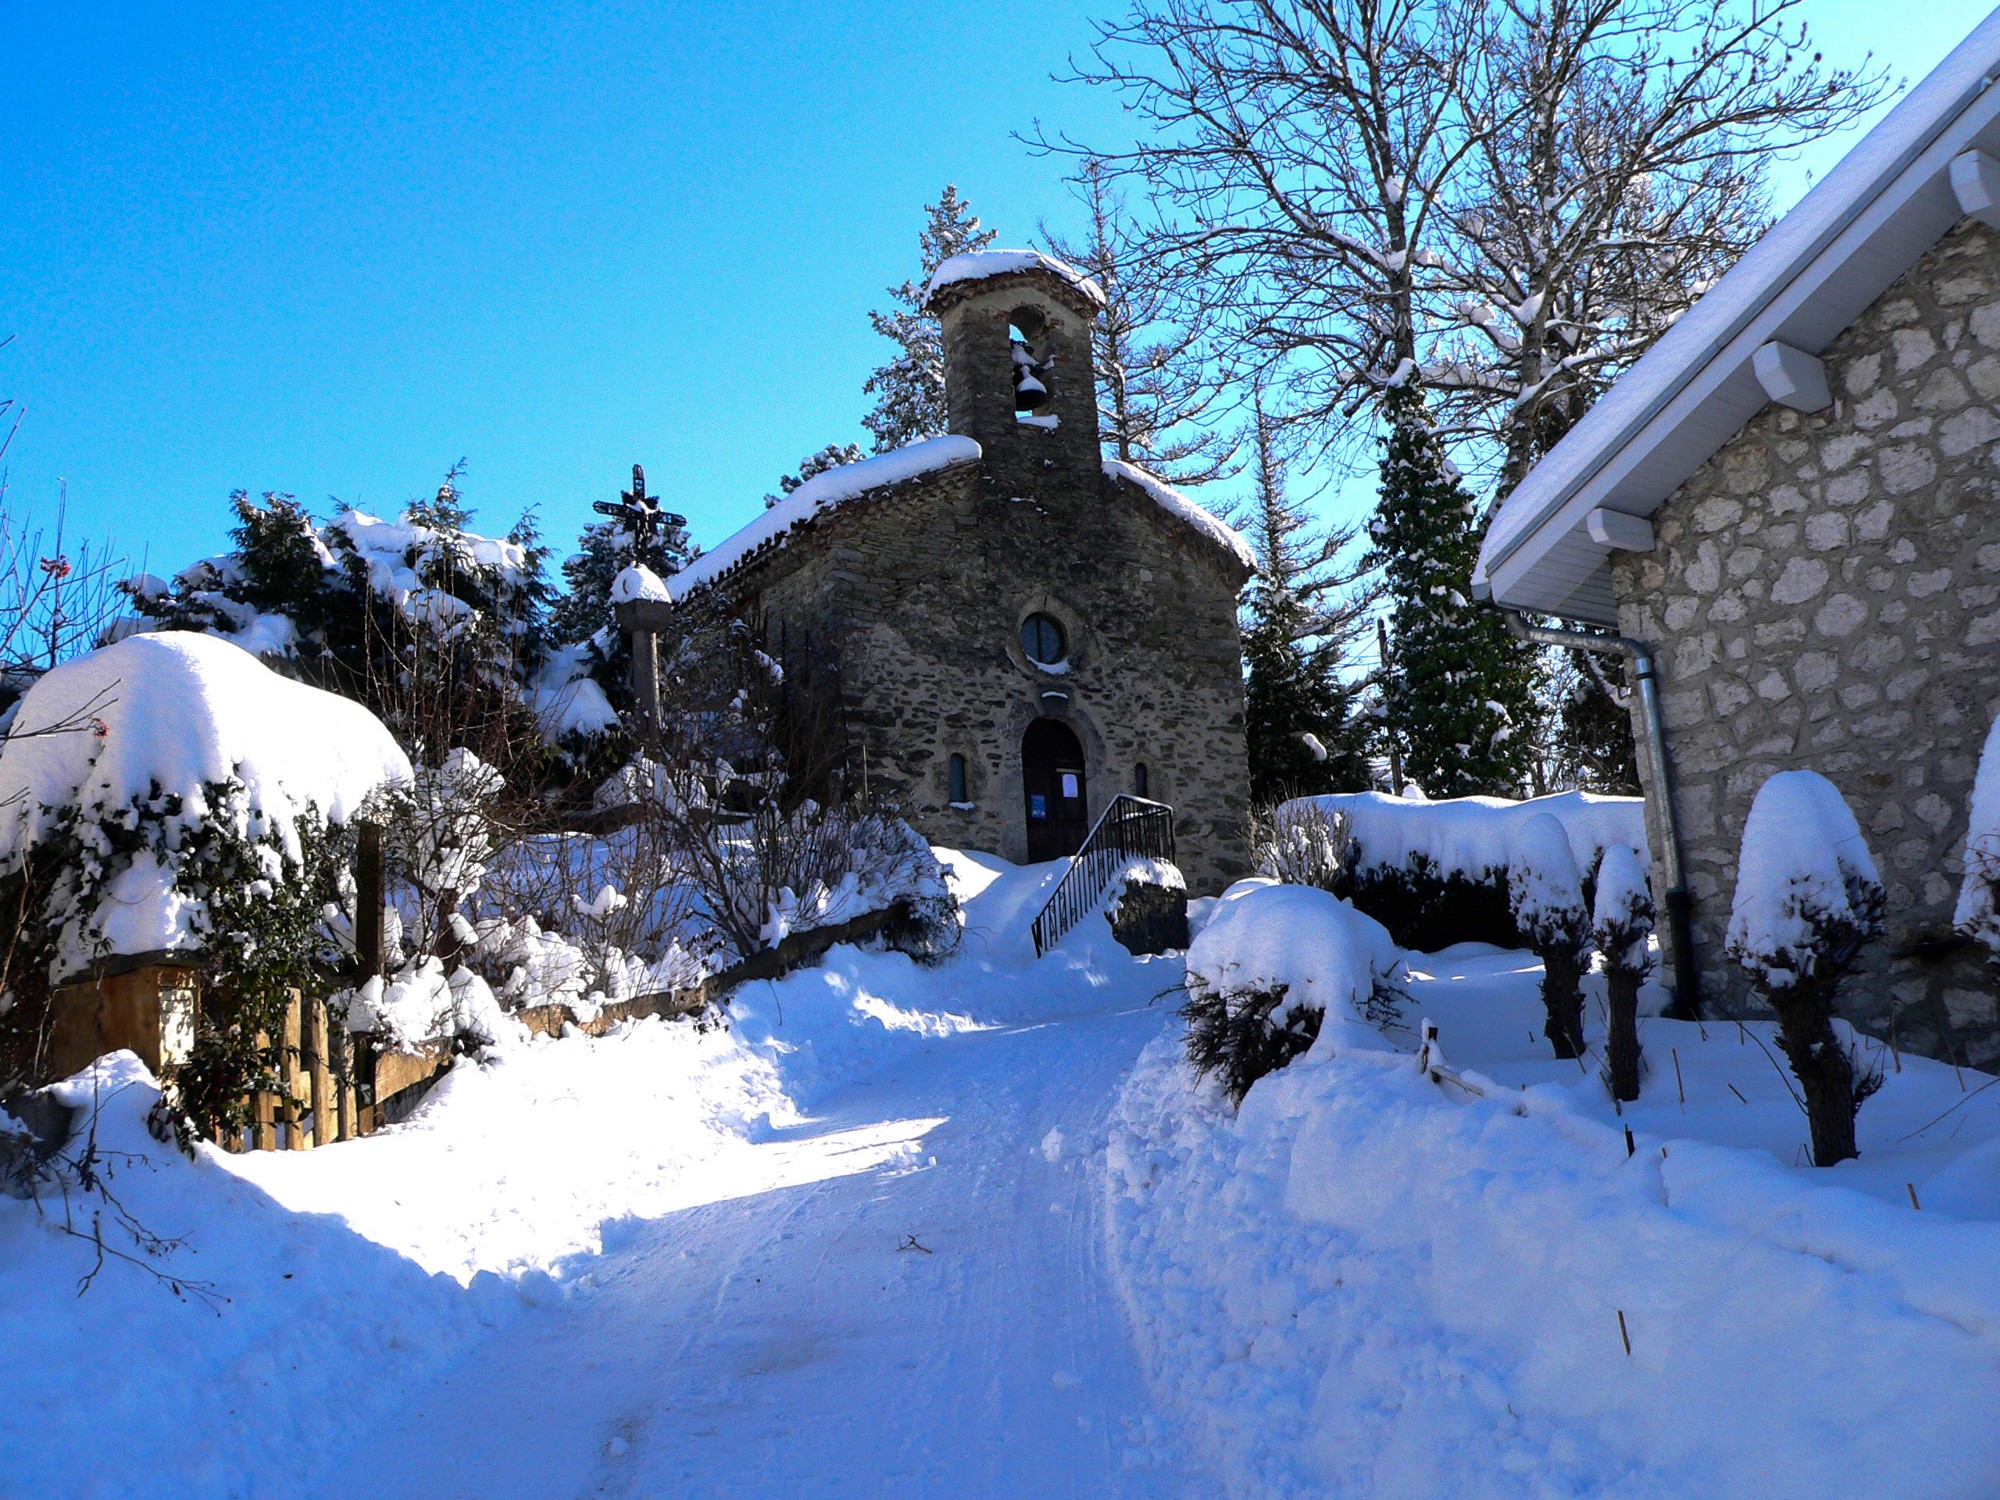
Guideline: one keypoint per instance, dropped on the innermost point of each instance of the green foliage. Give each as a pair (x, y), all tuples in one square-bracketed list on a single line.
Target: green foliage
[(1235, 1035), (442, 633), (263, 908), (1591, 734), (1459, 692), (266, 938), (1300, 615)]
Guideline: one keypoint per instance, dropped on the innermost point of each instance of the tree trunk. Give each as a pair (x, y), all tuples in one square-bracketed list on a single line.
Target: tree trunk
[(1562, 997), (1621, 1047), (1820, 1063)]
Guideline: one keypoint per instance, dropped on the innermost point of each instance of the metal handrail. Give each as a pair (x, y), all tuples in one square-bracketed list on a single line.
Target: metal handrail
[(1130, 826)]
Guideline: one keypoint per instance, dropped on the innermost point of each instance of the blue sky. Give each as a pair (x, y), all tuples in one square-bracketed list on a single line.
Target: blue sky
[(330, 249)]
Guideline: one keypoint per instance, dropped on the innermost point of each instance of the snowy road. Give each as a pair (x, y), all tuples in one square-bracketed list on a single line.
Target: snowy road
[(903, 1296)]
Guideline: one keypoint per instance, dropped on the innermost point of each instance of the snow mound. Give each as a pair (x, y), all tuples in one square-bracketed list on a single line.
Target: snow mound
[(1472, 836), (1804, 861), (981, 265), (171, 714), (1177, 505), (1323, 953), (822, 492), (639, 584), (1977, 913)]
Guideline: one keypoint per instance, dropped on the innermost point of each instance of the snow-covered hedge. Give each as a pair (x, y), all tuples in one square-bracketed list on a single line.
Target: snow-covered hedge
[(1435, 873), (1277, 968), (134, 749), (1545, 892), (170, 794)]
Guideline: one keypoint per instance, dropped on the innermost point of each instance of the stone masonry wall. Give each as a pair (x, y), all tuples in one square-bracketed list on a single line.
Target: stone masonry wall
[(925, 587), (1825, 595)]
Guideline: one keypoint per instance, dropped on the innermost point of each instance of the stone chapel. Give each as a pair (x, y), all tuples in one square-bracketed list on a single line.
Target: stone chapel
[(1024, 629)]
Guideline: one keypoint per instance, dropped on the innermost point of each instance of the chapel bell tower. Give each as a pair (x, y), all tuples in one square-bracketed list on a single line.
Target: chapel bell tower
[(1018, 373)]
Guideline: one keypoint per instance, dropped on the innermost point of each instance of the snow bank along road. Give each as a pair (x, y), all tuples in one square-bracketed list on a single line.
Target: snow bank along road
[(967, 1232), (851, 1248)]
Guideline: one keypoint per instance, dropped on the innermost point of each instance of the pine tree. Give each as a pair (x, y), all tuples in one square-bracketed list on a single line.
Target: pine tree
[(832, 456), (1155, 383), (1459, 691), (1302, 612), (909, 390)]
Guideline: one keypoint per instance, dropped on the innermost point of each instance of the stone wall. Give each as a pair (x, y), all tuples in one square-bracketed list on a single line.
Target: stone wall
[(1825, 595)]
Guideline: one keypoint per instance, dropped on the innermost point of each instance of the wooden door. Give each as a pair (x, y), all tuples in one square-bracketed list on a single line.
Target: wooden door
[(1052, 780)]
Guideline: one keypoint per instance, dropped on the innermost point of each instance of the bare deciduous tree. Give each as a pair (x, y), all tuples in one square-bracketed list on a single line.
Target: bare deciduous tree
[(1155, 379), (1508, 201)]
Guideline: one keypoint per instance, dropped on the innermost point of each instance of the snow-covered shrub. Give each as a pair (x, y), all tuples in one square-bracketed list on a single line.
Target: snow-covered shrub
[(1304, 842), (1272, 969), (1978, 911), (1621, 924), (424, 1003), (1807, 898), (439, 834), (205, 815), (1545, 891), (772, 827)]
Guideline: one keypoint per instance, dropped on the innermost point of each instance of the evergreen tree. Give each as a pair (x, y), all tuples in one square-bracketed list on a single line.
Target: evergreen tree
[(832, 456), (1302, 613), (909, 390), (1459, 691)]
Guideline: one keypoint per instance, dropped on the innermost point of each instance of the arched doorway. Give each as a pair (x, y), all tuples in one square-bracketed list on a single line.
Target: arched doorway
[(1052, 780)]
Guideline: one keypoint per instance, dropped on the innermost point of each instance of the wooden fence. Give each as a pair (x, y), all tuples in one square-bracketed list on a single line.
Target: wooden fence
[(334, 1085)]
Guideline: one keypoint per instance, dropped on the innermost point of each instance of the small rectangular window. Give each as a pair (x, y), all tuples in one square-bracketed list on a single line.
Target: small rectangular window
[(1139, 784), (1069, 788), (957, 777)]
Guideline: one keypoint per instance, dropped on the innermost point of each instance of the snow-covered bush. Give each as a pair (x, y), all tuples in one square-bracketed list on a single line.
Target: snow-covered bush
[(1272, 969), (1304, 842), (1621, 924), (1978, 911), (1545, 892), (439, 834), (204, 815), (1807, 898), (1435, 873)]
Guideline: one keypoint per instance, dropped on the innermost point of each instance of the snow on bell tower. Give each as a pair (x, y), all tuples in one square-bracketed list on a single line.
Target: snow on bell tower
[(1018, 374)]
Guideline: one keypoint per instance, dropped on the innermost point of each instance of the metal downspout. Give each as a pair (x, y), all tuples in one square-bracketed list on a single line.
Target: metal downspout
[(1680, 903)]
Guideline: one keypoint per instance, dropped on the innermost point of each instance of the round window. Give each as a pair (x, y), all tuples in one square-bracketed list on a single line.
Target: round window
[(1043, 640)]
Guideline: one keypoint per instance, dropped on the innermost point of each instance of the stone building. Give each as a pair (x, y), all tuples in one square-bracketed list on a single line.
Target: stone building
[(1791, 502), (1023, 629)]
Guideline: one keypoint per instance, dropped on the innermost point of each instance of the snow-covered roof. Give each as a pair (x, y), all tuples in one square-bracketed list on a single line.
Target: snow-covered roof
[(821, 493), (1817, 269), (981, 265), (1177, 505)]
